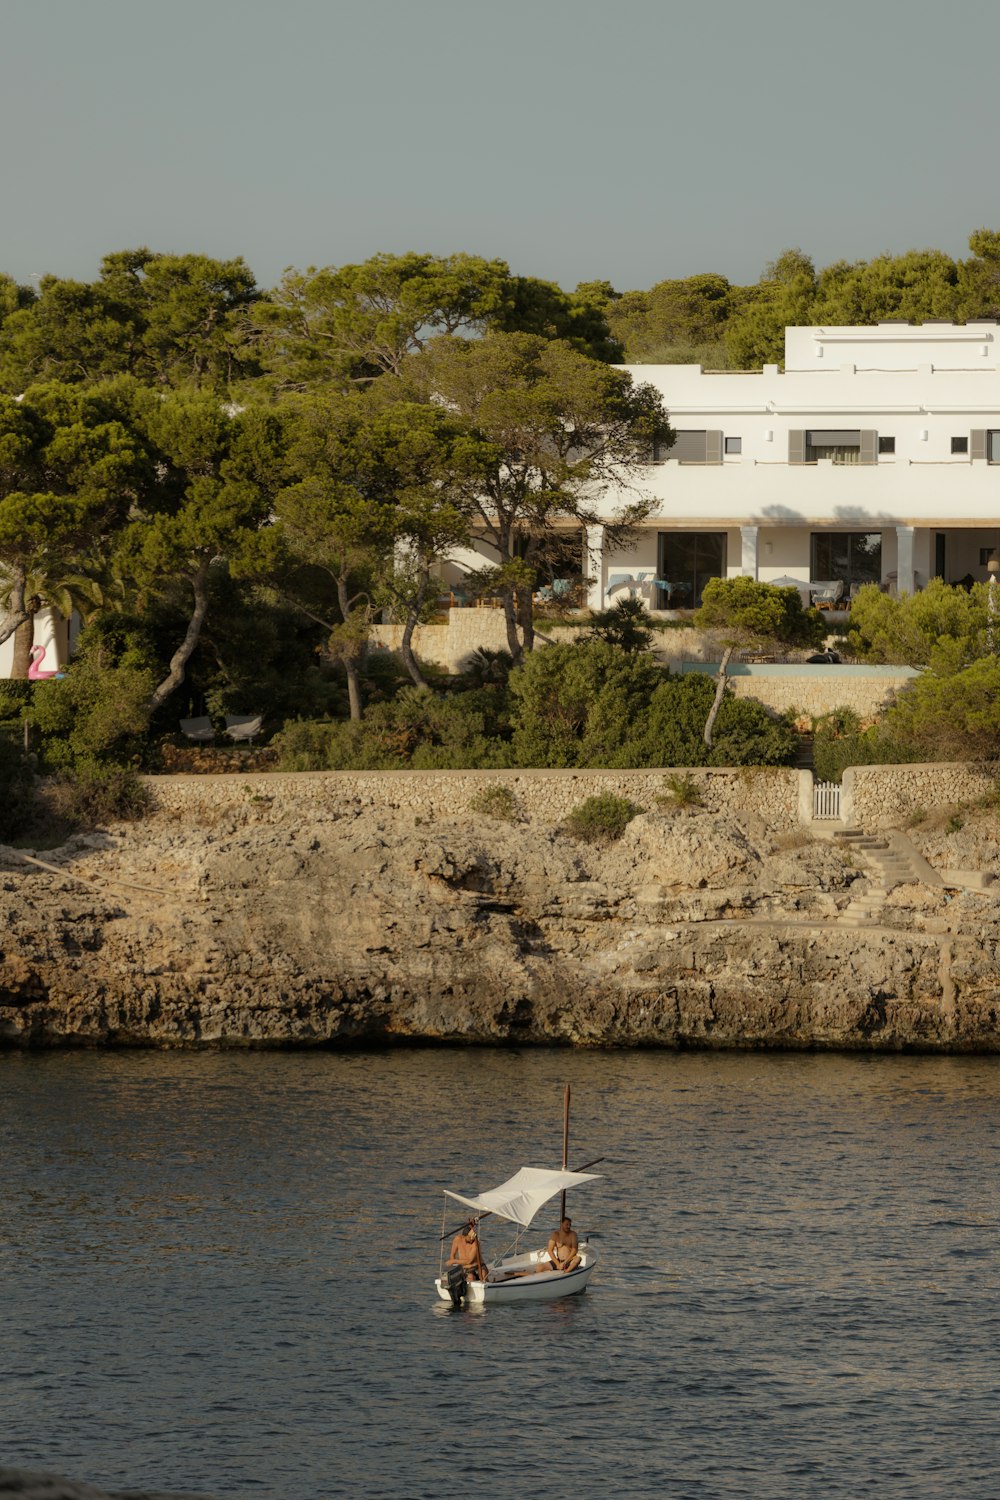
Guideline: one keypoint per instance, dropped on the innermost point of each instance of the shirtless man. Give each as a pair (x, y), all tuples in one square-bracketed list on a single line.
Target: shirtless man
[(563, 1248), (465, 1251)]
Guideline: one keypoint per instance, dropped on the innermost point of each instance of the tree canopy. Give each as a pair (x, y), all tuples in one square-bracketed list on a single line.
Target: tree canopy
[(548, 431)]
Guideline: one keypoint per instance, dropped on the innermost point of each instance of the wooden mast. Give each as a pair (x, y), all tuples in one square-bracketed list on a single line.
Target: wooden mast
[(565, 1159)]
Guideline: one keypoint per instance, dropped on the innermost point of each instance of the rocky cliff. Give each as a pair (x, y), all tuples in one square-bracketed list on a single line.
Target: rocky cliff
[(698, 928)]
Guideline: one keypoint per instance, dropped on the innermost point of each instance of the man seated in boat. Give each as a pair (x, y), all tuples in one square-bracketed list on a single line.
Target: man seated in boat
[(563, 1248), (465, 1252)]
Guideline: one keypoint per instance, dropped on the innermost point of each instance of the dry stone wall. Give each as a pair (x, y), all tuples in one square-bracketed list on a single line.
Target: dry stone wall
[(543, 797), (885, 796)]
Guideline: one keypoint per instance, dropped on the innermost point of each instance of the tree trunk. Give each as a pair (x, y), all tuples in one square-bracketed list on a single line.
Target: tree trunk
[(24, 639), (353, 687), (405, 644), (524, 607), (353, 656), (510, 616), (18, 614), (184, 652), (720, 688)]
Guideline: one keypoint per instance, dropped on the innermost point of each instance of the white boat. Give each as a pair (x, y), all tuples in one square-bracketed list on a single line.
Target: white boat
[(521, 1275)]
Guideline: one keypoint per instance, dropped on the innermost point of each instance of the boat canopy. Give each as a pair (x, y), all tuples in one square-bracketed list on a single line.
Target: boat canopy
[(521, 1196)]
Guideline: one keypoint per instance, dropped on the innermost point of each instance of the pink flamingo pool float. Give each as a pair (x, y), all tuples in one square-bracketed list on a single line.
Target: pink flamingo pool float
[(35, 673)]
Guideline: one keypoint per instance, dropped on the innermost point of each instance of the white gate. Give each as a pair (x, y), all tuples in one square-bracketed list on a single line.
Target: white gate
[(826, 800)]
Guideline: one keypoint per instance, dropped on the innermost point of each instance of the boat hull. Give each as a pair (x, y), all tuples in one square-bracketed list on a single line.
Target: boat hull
[(507, 1286)]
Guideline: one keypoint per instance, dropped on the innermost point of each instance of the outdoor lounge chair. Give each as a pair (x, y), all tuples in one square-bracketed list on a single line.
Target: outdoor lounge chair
[(243, 726), (197, 729), (828, 595)]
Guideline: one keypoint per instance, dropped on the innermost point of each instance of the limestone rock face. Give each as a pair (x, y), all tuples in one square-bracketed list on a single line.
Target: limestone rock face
[(265, 929)]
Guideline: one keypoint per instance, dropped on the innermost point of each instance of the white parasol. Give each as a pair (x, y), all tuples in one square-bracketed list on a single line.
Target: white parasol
[(521, 1196)]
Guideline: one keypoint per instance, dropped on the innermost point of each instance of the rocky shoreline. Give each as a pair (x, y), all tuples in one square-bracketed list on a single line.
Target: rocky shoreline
[(365, 925)]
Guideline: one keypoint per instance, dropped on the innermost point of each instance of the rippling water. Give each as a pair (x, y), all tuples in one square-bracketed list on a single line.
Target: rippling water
[(216, 1274)]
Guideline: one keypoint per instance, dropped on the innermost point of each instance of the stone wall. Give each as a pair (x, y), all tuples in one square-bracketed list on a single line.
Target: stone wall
[(811, 690), (451, 644), (885, 796), (817, 690), (543, 797)]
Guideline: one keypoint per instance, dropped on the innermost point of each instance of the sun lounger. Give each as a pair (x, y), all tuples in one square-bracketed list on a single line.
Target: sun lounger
[(243, 726), (197, 729)]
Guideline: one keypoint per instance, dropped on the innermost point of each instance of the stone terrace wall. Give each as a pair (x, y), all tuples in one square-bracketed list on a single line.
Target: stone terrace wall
[(817, 690), (885, 796), (812, 690), (450, 645), (542, 796)]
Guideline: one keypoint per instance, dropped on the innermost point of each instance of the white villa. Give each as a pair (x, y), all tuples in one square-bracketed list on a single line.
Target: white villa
[(873, 457)]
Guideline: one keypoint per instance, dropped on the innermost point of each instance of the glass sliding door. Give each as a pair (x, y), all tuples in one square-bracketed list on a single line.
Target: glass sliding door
[(848, 557), (688, 559)]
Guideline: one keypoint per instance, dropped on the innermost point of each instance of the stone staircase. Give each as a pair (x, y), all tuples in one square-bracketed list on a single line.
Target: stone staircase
[(892, 860)]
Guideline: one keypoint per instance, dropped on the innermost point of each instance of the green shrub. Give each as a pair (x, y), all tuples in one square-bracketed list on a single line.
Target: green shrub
[(670, 732), (496, 801), (15, 700), (840, 742), (601, 819), (579, 705), (625, 625), (91, 794), (417, 729), (100, 710), (18, 784), (682, 791)]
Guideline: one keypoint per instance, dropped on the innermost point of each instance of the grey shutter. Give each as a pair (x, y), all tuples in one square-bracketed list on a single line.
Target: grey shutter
[(690, 446), (869, 447), (713, 447), (796, 447), (977, 447)]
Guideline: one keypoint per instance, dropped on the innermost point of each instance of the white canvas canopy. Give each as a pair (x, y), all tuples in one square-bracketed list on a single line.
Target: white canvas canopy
[(521, 1196)]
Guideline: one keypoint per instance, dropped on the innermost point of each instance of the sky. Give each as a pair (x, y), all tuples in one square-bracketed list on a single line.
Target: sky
[(575, 139)]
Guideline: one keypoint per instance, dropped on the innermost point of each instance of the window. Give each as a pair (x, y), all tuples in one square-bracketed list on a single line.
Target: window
[(886, 444), (960, 445), (734, 445), (688, 559), (993, 446), (842, 446), (851, 557)]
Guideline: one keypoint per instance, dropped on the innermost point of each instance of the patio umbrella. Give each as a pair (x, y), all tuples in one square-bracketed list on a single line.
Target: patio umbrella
[(784, 582)]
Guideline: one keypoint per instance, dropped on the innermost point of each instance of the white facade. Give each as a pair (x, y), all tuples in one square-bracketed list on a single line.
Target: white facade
[(874, 456), (51, 633)]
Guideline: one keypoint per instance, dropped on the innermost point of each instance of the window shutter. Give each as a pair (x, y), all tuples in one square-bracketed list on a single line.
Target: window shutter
[(796, 447), (869, 447), (713, 447), (689, 446), (978, 445)]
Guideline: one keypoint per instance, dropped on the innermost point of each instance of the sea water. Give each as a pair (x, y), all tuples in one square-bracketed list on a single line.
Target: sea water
[(216, 1273)]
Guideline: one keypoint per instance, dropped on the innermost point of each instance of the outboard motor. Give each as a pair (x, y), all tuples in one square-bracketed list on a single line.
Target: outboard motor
[(458, 1285)]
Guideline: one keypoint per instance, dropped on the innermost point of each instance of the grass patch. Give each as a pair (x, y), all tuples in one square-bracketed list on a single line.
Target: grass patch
[(682, 791), (496, 801)]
